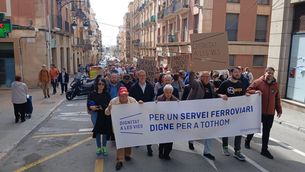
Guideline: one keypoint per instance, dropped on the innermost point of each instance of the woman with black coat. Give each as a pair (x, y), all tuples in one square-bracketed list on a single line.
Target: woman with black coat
[(97, 102)]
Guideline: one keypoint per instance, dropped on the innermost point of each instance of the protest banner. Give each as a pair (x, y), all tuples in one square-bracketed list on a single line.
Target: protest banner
[(209, 51), (162, 122), (149, 66), (180, 62)]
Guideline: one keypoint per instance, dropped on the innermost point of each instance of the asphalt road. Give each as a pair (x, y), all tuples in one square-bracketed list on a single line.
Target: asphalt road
[(63, 143)]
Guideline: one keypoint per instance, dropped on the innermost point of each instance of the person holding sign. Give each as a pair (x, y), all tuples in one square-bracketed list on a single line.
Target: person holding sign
[(271, 102), (142, 90), (122, 98), (166, 148), (202, 89), (231, 88)]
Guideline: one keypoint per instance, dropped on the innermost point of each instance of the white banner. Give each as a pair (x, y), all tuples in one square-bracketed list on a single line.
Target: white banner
[(162, 122)]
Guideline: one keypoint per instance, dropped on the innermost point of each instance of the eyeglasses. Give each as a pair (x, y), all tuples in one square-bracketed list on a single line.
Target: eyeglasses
[(100, 84)]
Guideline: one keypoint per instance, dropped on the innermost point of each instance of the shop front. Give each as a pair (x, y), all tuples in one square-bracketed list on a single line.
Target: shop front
[(7, 64), (296, 71)]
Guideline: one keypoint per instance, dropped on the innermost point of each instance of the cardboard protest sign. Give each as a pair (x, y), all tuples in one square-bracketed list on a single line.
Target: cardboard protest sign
[(209, 51), (149, 66), (180, 62)]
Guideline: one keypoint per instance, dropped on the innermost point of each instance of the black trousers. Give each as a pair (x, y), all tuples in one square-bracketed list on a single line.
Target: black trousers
[(237, 142), (19, 110), (54, 85), (165, 149), (64, 87), (267, 121)]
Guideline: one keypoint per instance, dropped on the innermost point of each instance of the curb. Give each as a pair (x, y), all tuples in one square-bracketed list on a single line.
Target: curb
[(292, 126), (28, 132)]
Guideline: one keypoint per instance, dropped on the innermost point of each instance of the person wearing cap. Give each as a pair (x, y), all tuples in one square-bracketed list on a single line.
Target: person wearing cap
[(44, 80), (126, 81), (122, 98), (142, 90)]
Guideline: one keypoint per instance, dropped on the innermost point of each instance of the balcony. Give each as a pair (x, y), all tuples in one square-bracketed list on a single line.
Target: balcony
[(153, 19), (172, 38), (161, 14), (169, 11), (182, 7)]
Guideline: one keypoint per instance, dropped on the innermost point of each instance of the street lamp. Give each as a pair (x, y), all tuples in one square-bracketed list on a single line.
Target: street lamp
[(86, 25), (74, 25)]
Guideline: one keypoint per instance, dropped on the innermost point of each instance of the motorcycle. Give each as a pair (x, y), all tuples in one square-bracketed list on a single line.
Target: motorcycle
[(80, 87)]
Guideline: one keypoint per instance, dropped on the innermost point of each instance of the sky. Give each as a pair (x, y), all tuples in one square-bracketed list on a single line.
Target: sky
[(110, 12)]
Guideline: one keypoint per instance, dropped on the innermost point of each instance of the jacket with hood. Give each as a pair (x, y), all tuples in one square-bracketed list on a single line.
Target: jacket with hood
[(271, 100)]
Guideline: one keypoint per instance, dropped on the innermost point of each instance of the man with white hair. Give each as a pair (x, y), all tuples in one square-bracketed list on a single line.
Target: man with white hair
[(142, 90), (202, 89), (168, 79)]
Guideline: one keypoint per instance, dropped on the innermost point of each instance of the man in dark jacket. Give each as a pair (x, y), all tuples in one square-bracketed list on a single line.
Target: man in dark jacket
[(143, 91), (63, 79), (202, 89), (168, 79), (271, 102)]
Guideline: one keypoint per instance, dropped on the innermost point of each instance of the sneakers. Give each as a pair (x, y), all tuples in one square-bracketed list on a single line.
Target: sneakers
[(267, 154), (225, 151), (239, 156), (191, 146), (104, 151), (118, 166), (209, 156), (99, 151), (247, 145)]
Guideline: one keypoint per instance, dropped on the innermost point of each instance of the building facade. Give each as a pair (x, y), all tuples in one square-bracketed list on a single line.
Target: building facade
[(162, 28), (46, 32), (286, 48)]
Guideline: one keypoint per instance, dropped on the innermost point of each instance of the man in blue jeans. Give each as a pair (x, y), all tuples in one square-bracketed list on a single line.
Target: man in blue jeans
[(202, 89)]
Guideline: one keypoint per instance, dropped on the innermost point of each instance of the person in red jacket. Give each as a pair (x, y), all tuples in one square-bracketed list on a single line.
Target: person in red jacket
[(266, 86)]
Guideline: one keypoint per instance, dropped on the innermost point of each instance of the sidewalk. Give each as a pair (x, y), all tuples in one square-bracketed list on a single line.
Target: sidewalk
[(11, 134), (292, 118)]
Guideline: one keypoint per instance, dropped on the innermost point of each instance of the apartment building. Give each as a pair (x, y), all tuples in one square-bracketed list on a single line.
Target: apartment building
[(46, 32)]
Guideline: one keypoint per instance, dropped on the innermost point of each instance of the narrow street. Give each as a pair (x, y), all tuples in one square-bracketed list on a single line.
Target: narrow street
[(63, 143)]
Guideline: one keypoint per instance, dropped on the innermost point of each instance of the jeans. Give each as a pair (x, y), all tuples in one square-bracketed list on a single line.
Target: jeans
[(54, 85), (64, 87), (207, 146), (237, 142), (98, 136), (267, 121)]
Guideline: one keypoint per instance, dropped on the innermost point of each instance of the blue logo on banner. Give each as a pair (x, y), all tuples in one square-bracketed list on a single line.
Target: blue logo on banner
[(129, 125)]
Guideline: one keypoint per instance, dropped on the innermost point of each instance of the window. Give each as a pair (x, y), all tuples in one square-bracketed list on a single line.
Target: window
[(196, 23), (233, 1), (262, 2), (184, 30), (231, 60), (261, 28), (259, 61), (232, 26)]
